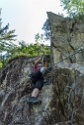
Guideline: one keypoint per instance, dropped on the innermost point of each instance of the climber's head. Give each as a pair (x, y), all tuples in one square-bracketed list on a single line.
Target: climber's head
[(46, 62)]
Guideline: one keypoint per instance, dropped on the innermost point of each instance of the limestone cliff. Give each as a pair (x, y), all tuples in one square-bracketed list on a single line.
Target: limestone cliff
[(15, 89), (67, 36), (63, 97)]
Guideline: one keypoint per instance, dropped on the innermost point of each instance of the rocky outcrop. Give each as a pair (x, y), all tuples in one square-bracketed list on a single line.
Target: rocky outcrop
[(68, 89), (63, 97), (59, 103), (67, 36), (15, 89)]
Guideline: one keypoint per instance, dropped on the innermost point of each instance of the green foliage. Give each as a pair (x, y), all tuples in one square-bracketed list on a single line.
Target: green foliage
[(24, 49), (30, 50), (73, 7), (9, 50), (6, 36), (0, 64), (6, 41)]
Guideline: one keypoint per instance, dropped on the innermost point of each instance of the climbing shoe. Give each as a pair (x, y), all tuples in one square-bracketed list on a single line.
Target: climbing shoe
[(34, 100)]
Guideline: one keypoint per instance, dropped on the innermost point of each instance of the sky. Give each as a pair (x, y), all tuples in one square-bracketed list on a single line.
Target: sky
[(28, 16)]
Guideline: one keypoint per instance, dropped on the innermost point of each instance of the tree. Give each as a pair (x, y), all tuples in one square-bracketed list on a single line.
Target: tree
[(31, 50), (11, 50), (46, 28), (6, 38), (73, 7)]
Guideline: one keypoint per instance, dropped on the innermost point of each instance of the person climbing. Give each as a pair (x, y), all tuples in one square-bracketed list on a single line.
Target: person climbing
[(37, 78)]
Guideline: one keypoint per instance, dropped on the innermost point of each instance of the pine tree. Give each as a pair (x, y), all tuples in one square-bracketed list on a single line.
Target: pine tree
[(6, 38), (73, 7)]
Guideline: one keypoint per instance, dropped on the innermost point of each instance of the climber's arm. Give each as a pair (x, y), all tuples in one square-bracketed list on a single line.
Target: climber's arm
[(37, 61)]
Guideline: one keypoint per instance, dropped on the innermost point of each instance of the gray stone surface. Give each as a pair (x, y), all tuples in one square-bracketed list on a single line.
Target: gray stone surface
[(67, 36), (63, 98)]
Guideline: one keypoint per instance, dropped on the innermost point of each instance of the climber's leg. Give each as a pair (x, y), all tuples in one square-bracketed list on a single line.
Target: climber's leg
[(38, 86)]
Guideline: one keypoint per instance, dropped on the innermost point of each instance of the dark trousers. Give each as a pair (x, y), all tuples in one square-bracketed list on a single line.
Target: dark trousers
[(37, 79)]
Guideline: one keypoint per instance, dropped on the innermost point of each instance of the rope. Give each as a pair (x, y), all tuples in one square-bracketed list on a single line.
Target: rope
[(72, 54)]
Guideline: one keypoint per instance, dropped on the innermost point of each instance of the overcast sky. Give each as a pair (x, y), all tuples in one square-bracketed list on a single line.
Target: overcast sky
[(27, 16)]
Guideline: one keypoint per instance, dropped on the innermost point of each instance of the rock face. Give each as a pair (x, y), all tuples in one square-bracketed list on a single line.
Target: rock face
[(67, 37), (62, 98), (15, 89)]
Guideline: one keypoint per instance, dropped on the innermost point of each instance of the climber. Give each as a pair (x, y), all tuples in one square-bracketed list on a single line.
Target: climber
[(37, 78)]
